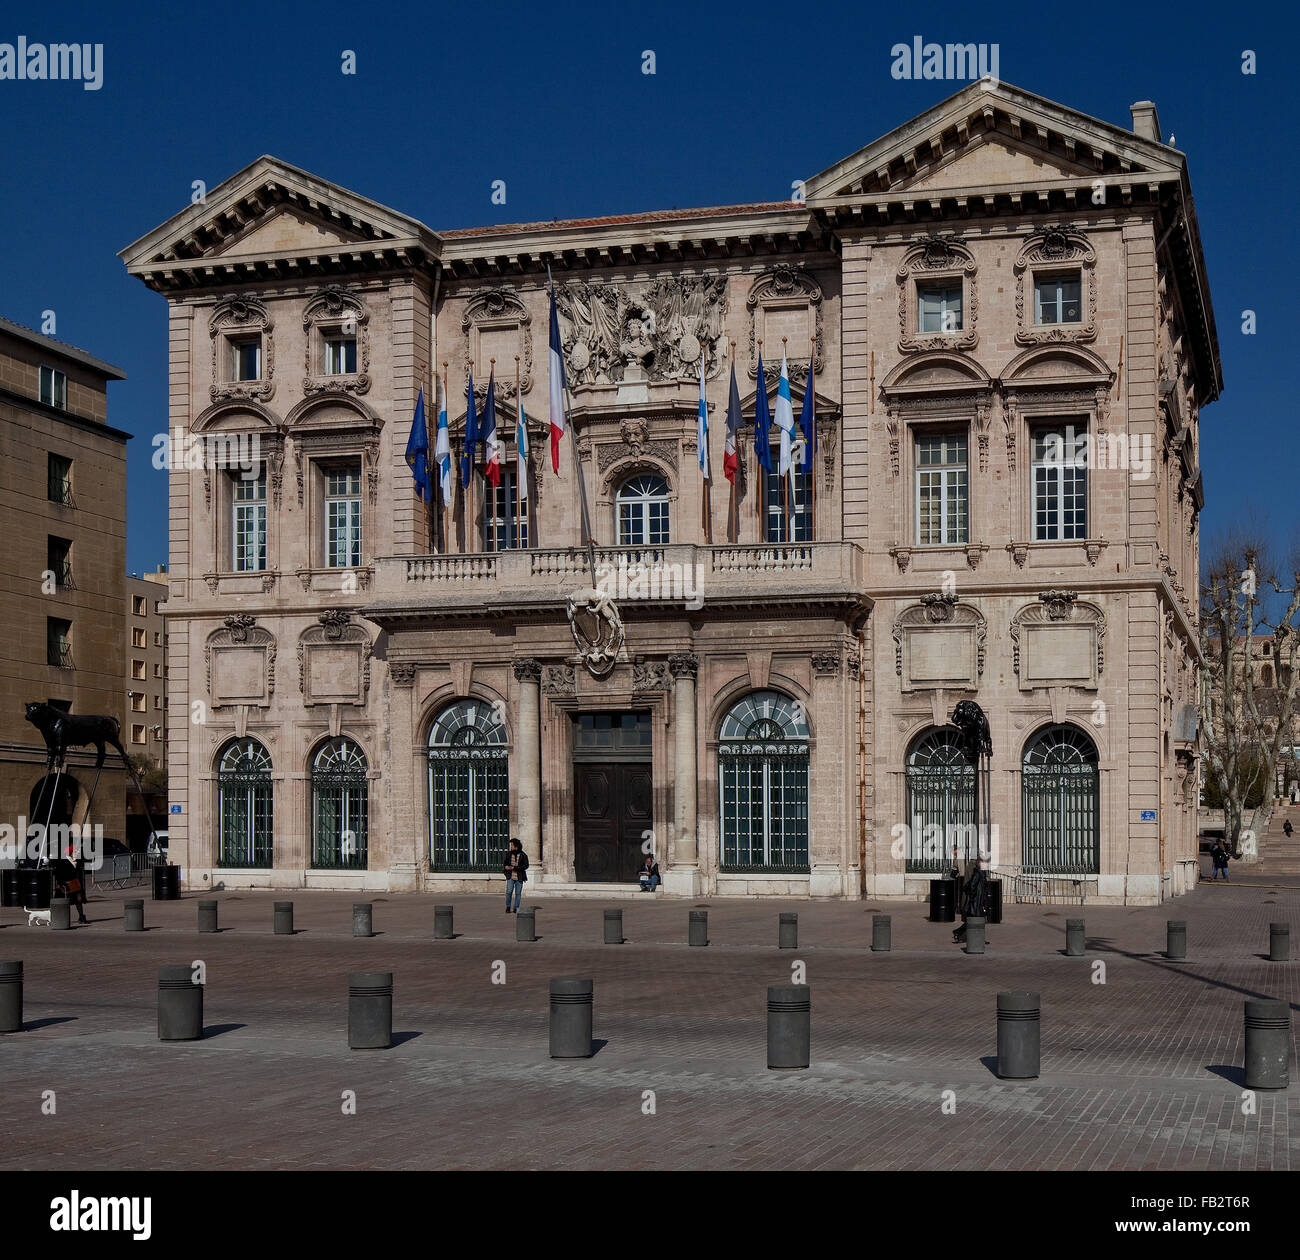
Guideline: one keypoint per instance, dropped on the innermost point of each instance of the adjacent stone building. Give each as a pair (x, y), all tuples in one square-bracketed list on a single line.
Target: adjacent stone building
[(1002, 312), (62, 577), (144, 713)]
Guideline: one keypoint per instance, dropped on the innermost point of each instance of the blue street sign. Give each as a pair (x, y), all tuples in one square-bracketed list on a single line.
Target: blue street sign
[(1148, 815), (176, 809)]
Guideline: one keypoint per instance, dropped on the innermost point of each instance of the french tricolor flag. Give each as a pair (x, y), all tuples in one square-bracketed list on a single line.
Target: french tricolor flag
[(730, 460), (557, 387), (488, 428)]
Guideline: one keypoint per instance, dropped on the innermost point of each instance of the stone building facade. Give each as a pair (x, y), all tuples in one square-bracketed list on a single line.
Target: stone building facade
[(1001, 309), (62, 582)]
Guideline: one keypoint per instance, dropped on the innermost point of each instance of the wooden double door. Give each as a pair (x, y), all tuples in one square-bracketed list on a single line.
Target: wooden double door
[(613, 808)]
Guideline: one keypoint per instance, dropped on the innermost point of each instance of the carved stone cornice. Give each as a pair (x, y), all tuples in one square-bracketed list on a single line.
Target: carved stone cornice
[(499, 308), (780, 286)]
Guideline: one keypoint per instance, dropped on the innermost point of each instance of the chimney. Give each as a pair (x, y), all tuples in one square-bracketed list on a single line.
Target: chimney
[(1146, 122)]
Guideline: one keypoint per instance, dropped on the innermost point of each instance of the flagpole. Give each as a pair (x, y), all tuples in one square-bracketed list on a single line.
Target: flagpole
[(446, 507), (469, 455), (761, 496), (785, 481), (577, 464), (488, 487), (731, 497), (812, 472), (708, 462), (518, 462)]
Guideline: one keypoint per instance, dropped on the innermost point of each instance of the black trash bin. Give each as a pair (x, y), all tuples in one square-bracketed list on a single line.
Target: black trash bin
[(943, 900), (993, 901), (9, 887), (166, 883), (36, 887)]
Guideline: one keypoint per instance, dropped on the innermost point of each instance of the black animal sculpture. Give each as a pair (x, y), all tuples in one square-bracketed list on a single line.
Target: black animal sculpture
[(969, 719), (63, 731)]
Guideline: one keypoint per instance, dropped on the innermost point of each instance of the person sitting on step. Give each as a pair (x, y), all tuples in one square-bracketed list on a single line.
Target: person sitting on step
[(649, 873)]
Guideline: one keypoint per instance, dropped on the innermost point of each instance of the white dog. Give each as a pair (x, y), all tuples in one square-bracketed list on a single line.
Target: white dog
[(37, 917)]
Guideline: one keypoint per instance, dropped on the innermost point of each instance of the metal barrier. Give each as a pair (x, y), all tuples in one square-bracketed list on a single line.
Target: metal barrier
[(1036, 886), (123, 870)]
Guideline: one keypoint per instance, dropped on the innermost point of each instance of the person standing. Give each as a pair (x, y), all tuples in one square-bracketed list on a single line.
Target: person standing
[(974, 897), (516, 872), (1219, 856), (70, 872)]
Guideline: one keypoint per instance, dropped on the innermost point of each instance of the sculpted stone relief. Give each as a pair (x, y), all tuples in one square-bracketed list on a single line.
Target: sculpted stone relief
[(657, 332)]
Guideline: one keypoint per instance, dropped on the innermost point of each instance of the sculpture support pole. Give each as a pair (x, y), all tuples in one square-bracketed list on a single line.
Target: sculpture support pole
[(683, 878)]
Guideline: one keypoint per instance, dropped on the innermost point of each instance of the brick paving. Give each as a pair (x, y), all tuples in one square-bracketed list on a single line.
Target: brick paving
[(1141, 1072)]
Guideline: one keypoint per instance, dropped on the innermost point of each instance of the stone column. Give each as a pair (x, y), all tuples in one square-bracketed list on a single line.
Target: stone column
[(400, 793), (528, 674), (683, 878)]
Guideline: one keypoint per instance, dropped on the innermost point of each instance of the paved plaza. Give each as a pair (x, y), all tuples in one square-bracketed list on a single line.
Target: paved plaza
[(1141, 1072)]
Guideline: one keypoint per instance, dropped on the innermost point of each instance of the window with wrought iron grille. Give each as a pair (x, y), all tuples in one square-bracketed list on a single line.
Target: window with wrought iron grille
[(1060, 484), (1060, 803), (763, 785), (942, 489), (940, 803), (245, 805), (248, 526), (643, 512), (58, 561), (343, 517), (789, 507), (59, 475), (58, 643), (469, 789), (340, 800), (505, 520)]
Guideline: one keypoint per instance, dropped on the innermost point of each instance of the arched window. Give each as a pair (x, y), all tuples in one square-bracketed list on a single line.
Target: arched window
[(245, 804), (643, 512), (940, 803), (1059, 802), (763, 785), (340, 800), (469, 789)]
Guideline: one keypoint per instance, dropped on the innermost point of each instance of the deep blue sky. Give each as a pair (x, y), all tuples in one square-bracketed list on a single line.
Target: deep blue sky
[(551, 98)]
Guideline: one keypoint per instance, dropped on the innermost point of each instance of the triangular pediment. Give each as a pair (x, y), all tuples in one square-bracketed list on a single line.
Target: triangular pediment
[(274, 211), (992, 136)]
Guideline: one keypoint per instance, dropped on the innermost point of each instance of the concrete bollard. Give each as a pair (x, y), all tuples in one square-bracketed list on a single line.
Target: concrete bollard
[(1279, 942), (1268, 1043), (1075, 940), (526, 924), (180, 1004), (789, 1025), (363, 922), (133, 916), (284, 918), (207, 916), (442, 923), (60, 914), (787, 932), (1018, 1035), (613, 927), (975, 935), (370, 1010), (1176, 941), (11, 997), (697, 932), (882, 933), (571, 1008)]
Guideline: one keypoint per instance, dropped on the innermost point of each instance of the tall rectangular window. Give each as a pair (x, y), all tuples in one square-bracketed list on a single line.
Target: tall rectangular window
[(249, 523), (343, 517), (506, 517), (340, 355), (137, 605), (247, 353), (58, 561), (137, 669), (788, 501), (1060, 484), (138, 701), (59, 472), (58, 642), (137, 636), (1057, 299), (942, 489), (54, 388), (938, 307)]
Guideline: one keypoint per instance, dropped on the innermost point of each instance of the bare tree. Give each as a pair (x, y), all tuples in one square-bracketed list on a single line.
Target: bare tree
[(1244, 724)]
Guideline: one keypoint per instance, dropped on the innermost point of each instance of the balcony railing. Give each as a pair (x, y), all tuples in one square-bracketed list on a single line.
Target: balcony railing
[(59, 655)]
